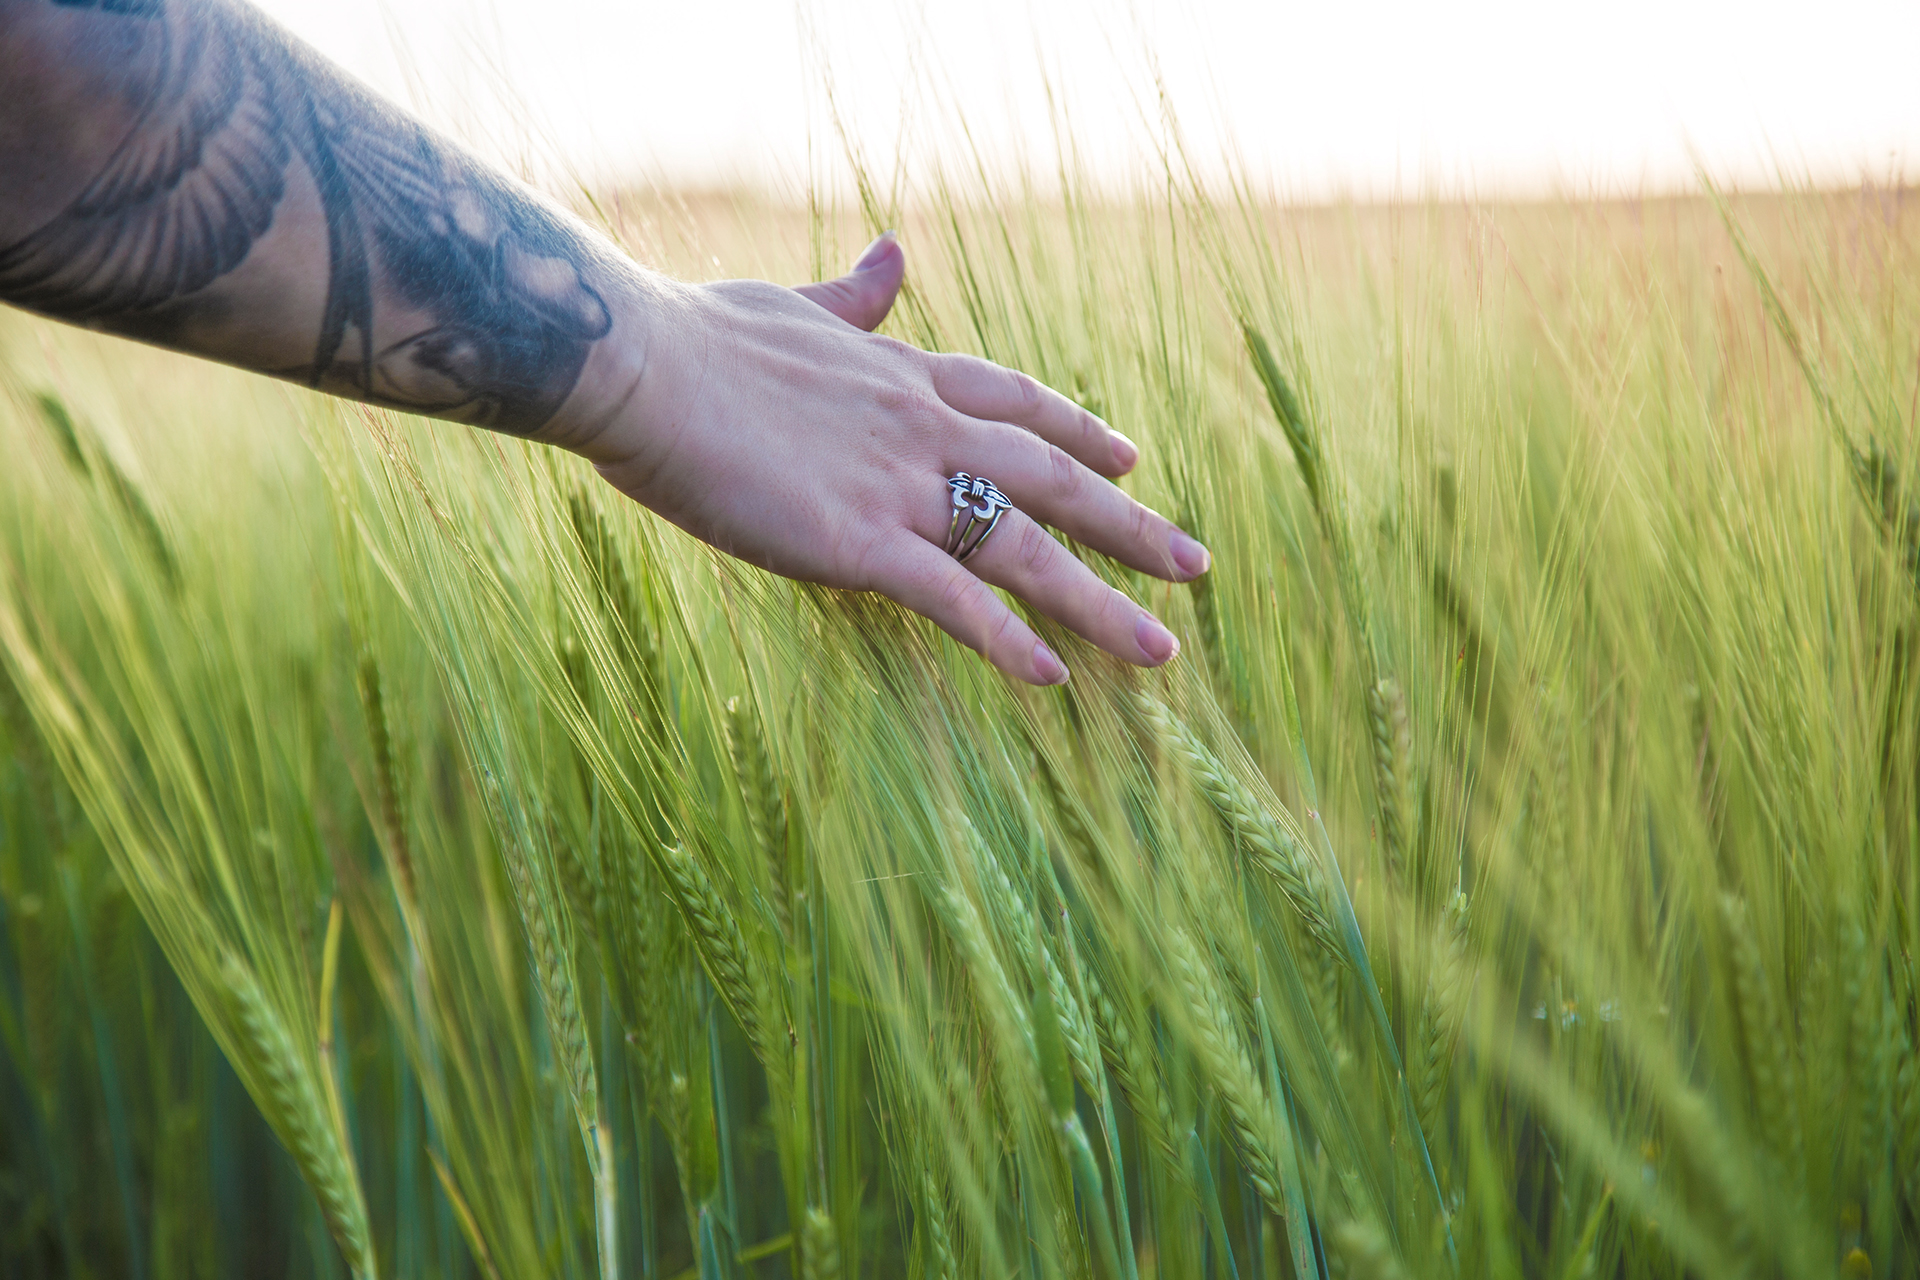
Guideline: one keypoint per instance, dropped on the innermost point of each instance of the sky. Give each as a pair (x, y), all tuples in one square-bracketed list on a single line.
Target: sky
[(1313, 101)]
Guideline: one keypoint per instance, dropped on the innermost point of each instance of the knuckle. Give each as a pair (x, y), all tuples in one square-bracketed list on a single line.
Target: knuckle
[(890, 397), (962, 364), (866, 558), (913, 406), (1064, 475), (1027, 395), (923, 410), (1007, 629), (1140, 525), (1036, 550), (959, 593)]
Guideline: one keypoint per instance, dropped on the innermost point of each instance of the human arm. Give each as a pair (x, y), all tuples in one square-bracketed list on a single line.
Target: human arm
[(184, 173)]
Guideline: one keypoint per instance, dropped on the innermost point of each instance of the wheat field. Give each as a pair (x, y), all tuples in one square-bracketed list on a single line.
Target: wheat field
[(416, 860)]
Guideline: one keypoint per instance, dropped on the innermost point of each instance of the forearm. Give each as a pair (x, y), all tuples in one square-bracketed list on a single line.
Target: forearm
[(182, 172), (185, 173)]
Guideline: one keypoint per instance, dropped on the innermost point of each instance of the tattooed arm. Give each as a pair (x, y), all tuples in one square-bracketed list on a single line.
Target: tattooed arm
[(194, 178), (184, 173)]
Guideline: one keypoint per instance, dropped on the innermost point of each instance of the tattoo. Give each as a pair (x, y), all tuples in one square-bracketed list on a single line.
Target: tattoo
[(448, 291)]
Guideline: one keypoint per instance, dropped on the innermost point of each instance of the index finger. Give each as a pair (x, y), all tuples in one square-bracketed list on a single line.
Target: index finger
[(981, 389)]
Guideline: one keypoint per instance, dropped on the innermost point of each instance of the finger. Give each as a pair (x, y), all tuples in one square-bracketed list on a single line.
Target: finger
[(864, 295), (1042, 480), (1024, 558), (981, 389), (932, 583)]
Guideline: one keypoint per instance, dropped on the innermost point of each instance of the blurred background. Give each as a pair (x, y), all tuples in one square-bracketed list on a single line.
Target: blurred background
[(1497, 98)]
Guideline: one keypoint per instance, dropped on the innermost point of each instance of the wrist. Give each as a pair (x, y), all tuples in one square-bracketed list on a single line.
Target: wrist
[(605, 417)]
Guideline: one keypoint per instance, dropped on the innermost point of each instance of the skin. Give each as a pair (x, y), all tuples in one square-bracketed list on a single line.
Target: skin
[(184, 173)]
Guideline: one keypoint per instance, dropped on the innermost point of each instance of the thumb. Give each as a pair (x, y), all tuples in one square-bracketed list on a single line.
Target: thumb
[(864, 295)]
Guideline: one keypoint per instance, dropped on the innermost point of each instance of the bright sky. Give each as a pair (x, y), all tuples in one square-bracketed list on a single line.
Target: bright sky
[(1317, 99)]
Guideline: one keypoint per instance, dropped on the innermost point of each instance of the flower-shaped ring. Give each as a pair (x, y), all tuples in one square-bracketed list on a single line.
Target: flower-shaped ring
[(982, 503)]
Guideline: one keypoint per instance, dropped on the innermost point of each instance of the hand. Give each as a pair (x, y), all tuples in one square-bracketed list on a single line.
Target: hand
[(768, 423)]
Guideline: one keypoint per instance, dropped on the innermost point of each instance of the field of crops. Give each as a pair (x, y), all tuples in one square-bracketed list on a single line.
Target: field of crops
[(418, 861)]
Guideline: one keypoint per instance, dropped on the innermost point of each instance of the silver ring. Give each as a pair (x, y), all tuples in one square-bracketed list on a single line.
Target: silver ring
[(976, 498)]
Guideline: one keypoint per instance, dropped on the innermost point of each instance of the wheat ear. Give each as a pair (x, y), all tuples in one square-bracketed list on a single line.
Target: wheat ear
[(1440, 1016), (1081, 840), (294, 1108), (1269, 844), (819, 1248), (1138, 1077), (1081, 1042), (1763, 1038), (937, 1261), (989, 975), (1392, 761), (560, 1001), (1907, 1095), (1222, 1053), (1366, 1252), (722, 947), (580, 882), (1869, 1064), (1206, 614), (761, 797)]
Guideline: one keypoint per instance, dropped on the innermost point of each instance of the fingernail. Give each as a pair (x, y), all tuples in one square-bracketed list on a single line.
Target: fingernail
[(876, 252), (1125, 451), (1189, 555), (1048, 667), (1154, 640)]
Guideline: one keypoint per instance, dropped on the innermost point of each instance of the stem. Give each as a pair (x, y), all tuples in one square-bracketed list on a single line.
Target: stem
[(606, 1198)]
